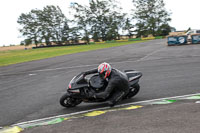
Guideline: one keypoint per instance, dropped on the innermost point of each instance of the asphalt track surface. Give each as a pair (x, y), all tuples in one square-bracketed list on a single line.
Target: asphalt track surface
[(31, 90), (179, 117)]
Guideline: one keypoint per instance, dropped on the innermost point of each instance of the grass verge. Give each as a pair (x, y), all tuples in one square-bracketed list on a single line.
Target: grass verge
[(19, 56)]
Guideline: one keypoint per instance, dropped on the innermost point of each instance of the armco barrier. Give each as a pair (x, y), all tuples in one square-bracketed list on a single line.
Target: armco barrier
[(134, 39), (111, 41), (92, 42), (122, 40), (131, 39), (49, 46), (99, 42), (148, 38), (159, 37)]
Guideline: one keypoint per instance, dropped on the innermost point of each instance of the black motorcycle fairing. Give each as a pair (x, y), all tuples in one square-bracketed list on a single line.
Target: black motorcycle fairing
[(78, 81), (133, 75), (133, 82)]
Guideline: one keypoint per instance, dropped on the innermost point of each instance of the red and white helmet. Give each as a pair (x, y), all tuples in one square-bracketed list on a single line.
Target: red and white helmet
[(104, 69)]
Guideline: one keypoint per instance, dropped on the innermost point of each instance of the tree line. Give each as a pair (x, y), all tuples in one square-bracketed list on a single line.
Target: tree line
[(101, 20)]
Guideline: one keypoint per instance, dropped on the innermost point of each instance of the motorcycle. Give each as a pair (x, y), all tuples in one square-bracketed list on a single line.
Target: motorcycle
[(80, 87)]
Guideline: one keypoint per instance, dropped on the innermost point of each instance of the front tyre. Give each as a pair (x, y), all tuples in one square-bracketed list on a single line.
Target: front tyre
[(67, 101), (133, 90)]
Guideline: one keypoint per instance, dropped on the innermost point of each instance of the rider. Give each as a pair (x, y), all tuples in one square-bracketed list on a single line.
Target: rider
[(117, 83)]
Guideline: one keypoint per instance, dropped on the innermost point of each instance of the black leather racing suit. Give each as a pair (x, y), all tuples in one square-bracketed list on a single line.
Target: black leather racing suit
[(118, 86)]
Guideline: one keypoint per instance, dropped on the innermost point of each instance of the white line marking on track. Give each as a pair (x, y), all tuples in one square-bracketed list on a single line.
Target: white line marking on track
[(64, 68), (133, 103), (65, 115), (31, 74), (81, 66), (153, 100), (143, 58)]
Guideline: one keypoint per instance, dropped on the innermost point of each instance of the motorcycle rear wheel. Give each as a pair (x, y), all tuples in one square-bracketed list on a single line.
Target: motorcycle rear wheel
[(133, 90), (67, 101)]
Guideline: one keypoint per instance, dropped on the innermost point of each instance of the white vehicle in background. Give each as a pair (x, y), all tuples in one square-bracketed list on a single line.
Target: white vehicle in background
[(192, 32)]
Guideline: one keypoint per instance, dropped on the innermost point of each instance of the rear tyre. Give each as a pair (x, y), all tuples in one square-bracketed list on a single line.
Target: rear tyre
[(67, 101), (133, 90)]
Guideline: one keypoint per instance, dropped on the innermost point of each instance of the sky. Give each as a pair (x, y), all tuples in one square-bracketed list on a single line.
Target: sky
[(184, 14)]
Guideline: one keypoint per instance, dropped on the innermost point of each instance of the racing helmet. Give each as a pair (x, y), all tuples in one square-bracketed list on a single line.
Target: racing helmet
[(104, 70)]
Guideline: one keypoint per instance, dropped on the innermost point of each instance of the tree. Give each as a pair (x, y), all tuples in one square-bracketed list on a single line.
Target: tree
[(164, 30), (82, 21), (74, 35), (46, 25), (152, 17), (65, 32), (128, 27), (26, 42), (106, 19), (102, 19), (53, 22), (30, 26)]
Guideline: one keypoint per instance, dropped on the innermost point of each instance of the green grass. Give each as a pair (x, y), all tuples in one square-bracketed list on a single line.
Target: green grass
[(19, 56)]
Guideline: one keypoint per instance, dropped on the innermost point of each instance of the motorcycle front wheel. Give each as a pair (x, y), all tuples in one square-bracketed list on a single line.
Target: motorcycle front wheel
[(67, 101)]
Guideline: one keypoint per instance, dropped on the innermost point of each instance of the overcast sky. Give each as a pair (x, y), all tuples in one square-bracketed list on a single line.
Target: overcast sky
[(184, 14)]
